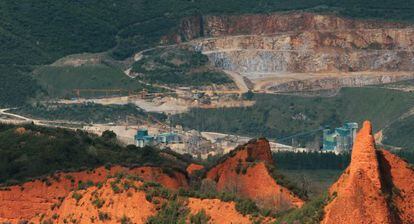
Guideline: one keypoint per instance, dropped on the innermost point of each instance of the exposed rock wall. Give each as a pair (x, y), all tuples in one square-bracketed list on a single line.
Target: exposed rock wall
[(266, 46), (334, 81), (259, 24)]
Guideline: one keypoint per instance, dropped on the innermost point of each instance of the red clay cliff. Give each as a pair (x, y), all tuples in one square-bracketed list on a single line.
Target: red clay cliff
[(33, 198), (377, 187), (245, 173)]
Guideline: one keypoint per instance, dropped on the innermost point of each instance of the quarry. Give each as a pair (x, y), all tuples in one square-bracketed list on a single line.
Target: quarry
[(290, 52), (204, 112)]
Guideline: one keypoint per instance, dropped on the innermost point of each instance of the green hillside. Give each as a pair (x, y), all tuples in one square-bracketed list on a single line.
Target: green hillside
[(61, 81), (278, 116), (36, 33), (32, 151), (178, 66)]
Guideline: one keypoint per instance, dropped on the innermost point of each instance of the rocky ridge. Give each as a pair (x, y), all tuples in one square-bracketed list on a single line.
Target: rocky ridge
[(245, 173), (377, 187)]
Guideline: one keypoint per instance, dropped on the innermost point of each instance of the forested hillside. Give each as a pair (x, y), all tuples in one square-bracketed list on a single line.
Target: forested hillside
[(35, 33), (280, 116), (32, 151)]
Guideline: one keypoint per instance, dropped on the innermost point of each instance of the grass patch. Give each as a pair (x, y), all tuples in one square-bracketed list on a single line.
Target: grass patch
[(61, 81)]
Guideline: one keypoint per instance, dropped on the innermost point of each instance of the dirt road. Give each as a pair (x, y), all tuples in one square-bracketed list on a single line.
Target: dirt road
[(238, 79)]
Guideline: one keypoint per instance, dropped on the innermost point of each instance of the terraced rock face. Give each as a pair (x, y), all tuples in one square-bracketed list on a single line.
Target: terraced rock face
[(245, 173), (304, 51), (377, 187)]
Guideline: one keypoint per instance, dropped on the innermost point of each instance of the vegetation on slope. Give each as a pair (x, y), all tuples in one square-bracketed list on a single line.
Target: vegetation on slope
[(401, 133), (178, 66), (311, 160), (311, 213), (16, 86), (279, 116), (88, 112), (34, 151)]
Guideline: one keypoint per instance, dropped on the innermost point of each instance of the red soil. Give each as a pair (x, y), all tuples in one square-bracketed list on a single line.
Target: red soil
[(252, 179), (218, 211), (360, 195), (36, 197), (128, 204), (401, 177), (194, 167)]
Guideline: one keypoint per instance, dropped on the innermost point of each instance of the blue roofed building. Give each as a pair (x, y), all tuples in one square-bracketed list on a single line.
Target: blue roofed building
[(143, 138), (340, 139)]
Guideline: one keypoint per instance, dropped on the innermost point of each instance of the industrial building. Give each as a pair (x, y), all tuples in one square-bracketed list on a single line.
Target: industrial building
[(143, 138), (340, 139)]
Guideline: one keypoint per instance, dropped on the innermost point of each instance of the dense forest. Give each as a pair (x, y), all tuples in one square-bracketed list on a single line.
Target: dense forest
[(311, 161), (34, 33)]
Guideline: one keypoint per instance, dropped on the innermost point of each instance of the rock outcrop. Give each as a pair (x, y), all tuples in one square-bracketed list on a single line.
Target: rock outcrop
[(278, 49), (37, 197), (102, 205), (377, 187), (192, 168), (245, 173)]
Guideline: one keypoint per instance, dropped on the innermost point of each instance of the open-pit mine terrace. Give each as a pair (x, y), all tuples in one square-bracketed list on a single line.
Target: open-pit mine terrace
[(304, 51)]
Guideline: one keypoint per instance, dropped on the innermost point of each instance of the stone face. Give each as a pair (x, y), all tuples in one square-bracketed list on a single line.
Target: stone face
[(295, 44), (245, 173), (369, 191)]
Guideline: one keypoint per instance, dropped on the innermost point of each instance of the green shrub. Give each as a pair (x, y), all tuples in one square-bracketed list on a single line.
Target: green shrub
[(200, 217), (246, 206), (98, 202), (115, 187), (103, 216), (77, 196), (172, 211), (126, 220)]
